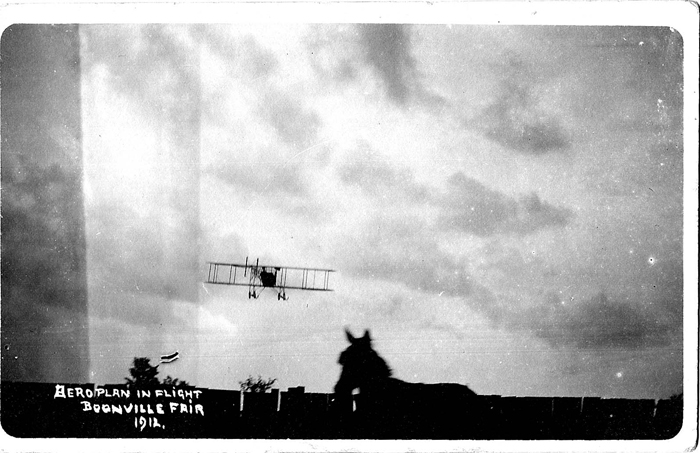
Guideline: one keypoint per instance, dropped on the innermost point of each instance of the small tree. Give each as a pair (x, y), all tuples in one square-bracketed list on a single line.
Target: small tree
[(143, 374), (677, 397), (258, 385)]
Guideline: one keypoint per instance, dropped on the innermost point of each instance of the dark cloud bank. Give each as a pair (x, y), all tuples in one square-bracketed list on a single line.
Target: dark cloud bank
[(44, 288), (601, 323)]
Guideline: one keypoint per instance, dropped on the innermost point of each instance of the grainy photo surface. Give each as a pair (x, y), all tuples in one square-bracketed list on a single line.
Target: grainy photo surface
[(343, 231)]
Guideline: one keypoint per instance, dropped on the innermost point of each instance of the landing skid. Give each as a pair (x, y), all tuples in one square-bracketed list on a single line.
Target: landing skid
[(281, 295)]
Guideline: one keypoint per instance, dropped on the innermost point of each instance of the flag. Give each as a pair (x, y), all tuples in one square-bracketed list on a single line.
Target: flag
[(170, 357)]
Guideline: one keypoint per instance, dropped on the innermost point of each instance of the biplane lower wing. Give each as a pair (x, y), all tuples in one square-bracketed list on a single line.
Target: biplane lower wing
[(280, 278)]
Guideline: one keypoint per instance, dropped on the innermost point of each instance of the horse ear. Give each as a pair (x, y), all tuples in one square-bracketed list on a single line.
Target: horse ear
[(351, 339)]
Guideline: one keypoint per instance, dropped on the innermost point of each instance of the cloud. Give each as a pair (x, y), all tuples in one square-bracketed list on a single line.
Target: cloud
[(152, 255), (402, 250), (156, 65), (333, 53), (371, 54), (375, 59), (517, 117), (257, 61), (564, 307), (247, 62), (535, 214), (379, 179), (386, 48), (284, 186), (141, 134), (466, 206), (135, 309), (200, 319), (598, 323), (407, 250), (42, 231), (241, 57), (471, 207), (260, 118), (273, 179), (295, 124)]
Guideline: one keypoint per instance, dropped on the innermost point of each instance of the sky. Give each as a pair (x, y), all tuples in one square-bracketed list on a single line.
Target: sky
[(503, 205)]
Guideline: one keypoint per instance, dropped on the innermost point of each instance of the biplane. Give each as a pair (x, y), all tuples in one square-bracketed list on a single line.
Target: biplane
[(258, 277)]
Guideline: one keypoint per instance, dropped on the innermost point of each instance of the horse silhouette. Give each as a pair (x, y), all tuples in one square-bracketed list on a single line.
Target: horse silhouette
[(386, 407)]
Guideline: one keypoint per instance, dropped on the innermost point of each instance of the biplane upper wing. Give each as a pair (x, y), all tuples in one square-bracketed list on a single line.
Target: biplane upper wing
[(229, 274), (259, 275)]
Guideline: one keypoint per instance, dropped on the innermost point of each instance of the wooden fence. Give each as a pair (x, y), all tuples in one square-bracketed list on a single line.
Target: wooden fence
[(61, 410)]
